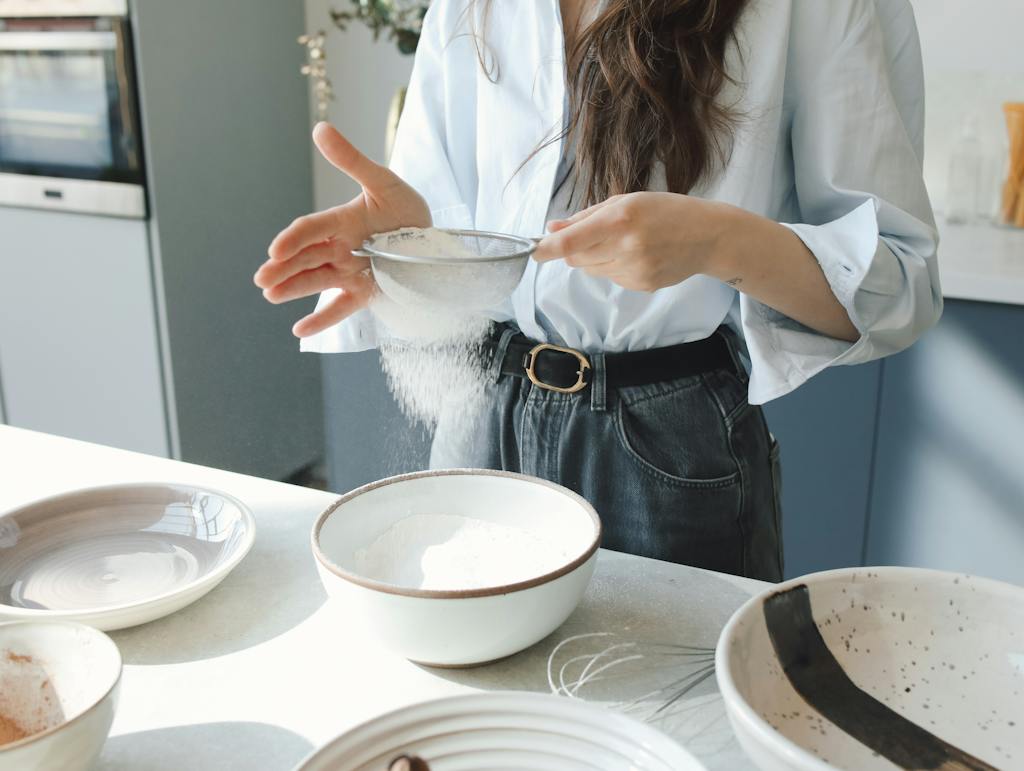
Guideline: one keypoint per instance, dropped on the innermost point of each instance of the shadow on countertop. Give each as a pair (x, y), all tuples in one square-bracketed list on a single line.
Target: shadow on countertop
[(227, 745), (273, 590), (625, 608), (658, 631)]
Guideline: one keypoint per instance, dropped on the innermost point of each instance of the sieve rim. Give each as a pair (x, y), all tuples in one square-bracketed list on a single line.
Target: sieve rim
[(528, 245)]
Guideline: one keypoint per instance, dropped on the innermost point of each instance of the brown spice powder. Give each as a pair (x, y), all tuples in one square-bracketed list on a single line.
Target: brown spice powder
[(10, 731)]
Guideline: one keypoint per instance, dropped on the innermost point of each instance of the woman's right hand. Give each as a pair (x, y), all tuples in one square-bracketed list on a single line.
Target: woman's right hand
[(314, 253)]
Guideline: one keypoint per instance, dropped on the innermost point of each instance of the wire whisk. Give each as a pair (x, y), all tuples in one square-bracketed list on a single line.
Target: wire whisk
[(646, 679)]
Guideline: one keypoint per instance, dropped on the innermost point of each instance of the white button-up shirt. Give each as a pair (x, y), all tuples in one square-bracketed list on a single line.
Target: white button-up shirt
[(831, 96)]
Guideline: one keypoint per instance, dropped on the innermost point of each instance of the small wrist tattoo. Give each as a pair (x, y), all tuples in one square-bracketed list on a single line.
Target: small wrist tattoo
[(734, 281)]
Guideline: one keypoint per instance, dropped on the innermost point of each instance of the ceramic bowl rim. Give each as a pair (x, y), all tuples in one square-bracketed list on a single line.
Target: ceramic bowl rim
[(218, 573), (736, 704), (89, 630), (454, 594), (526, 697)]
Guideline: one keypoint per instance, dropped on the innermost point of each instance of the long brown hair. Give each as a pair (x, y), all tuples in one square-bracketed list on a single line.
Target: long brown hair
[(644, 83)]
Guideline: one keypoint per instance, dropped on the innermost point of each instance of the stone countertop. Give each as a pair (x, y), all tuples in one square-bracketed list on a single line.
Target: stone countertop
[(982, 262), (262, 670)]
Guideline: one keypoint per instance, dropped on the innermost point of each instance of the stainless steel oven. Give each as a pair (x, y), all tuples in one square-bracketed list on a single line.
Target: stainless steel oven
[(69, 118)]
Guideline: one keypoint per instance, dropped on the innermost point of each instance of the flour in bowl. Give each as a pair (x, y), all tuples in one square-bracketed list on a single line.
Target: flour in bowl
[(445, 551)]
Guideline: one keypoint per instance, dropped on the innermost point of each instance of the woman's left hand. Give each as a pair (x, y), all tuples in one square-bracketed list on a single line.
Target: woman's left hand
[(642, 241)]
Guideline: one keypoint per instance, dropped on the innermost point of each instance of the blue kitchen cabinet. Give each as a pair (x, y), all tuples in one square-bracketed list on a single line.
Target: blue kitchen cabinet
[(826, 432), (368, 438), (948, 487)]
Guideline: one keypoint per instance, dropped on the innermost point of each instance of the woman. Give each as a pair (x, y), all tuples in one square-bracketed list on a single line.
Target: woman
[(661, 143)]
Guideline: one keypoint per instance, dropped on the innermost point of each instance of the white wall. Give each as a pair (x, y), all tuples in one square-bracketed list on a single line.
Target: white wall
[(365, 75), (974, 61)]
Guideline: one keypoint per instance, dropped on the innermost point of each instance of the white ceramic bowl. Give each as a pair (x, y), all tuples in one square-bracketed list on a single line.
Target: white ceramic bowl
[(944, 651), (60, 685), (458, 627), (119, 555), (506, 730)]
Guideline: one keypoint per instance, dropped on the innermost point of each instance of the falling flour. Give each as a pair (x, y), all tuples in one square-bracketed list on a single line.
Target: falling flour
[(433, 330), (446, 551)]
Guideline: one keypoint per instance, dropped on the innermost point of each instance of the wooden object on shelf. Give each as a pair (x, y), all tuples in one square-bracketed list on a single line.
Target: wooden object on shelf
[(1013, 192)]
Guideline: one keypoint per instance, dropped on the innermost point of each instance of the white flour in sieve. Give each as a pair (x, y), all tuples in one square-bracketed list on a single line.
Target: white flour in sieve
[(431, 352), (446, 551), (423, 242)]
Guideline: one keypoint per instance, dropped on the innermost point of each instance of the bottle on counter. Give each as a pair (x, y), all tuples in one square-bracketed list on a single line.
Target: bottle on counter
[(966, 162)]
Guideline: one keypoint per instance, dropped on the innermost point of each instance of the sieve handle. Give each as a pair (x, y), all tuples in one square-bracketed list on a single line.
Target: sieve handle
[(535, 240)]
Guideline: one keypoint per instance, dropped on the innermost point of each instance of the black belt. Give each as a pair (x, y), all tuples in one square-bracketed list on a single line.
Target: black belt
[(567, 371)]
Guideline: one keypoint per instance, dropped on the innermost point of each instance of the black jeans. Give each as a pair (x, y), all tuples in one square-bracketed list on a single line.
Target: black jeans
[(684, 471)]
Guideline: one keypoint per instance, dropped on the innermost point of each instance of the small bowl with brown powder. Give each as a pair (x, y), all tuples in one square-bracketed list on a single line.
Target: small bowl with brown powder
[(58, 693), (458, 567)]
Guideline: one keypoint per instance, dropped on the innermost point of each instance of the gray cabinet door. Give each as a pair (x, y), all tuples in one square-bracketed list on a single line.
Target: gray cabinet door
[(222, 185), (78, 341), (949, 476), (826, 431)]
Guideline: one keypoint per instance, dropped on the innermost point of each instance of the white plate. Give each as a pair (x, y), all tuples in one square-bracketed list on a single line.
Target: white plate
[(121, 555), (504, 731), (942, 651)]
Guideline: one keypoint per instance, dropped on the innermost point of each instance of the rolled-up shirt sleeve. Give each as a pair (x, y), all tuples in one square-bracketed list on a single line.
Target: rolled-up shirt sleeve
[(421, 156), (857, 149)]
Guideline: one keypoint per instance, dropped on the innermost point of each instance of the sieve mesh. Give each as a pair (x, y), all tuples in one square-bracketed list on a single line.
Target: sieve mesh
[(439, 246)]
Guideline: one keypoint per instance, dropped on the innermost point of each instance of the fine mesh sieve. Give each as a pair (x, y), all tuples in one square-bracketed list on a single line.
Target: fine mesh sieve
[(473, 246), (471, 270)]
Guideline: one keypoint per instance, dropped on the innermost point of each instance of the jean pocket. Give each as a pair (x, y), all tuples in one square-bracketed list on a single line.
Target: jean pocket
[(677, 437)]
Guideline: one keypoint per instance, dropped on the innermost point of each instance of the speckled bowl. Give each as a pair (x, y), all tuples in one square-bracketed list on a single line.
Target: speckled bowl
[(942, 651)]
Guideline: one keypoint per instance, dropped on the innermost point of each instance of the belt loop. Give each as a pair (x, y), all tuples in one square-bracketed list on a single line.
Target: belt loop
[(598, 386), (732, 346), (507, 333)]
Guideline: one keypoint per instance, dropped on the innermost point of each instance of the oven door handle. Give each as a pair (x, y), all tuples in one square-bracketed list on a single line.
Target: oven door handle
[(58, 41)]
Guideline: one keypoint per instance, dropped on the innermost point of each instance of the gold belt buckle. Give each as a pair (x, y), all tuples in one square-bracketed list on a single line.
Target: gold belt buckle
[(579, 385)]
